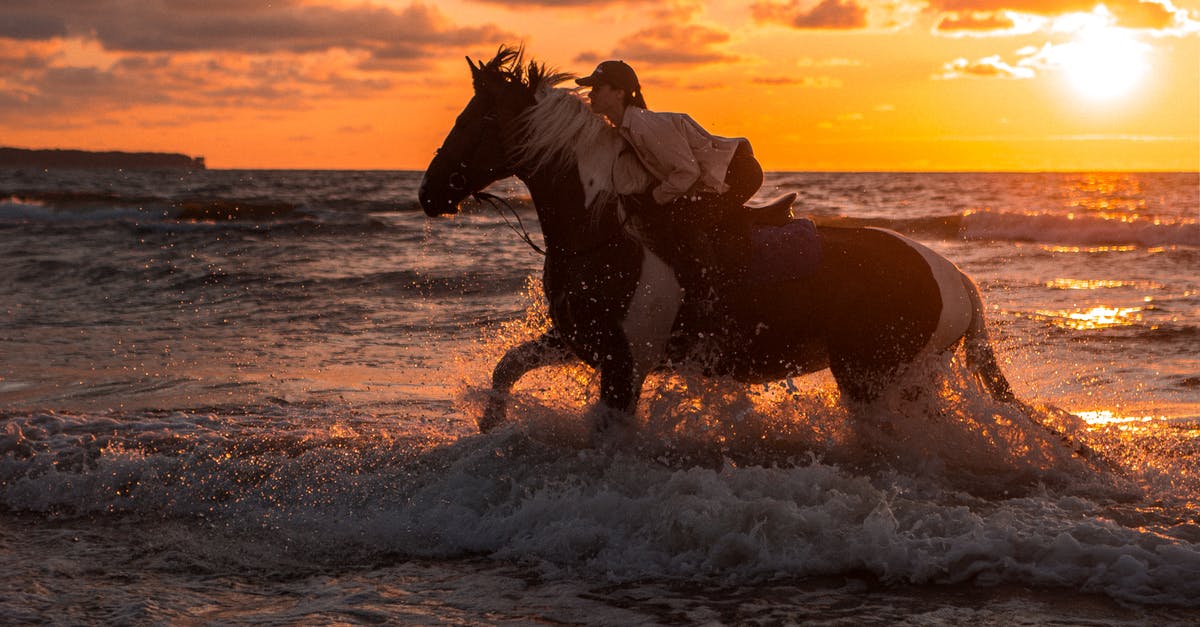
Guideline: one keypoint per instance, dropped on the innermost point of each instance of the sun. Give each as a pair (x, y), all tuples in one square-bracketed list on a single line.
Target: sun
[(1103, 63)]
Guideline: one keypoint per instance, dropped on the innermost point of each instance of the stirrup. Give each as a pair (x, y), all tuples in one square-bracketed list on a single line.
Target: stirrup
[(775, 213)]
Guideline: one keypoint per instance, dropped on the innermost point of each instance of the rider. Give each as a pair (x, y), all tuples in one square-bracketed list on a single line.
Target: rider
[(704, 180)]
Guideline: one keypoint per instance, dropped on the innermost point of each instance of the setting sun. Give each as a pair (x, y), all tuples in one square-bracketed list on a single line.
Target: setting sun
[(1104, 63)]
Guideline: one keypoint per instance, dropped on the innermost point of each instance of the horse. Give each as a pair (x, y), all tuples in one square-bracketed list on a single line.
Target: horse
[(876, 302)]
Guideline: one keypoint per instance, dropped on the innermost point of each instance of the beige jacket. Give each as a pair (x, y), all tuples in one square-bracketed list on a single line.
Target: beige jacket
[(678, 152)]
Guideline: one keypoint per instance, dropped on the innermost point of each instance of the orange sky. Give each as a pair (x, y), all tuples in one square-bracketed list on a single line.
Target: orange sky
[(815, 84)]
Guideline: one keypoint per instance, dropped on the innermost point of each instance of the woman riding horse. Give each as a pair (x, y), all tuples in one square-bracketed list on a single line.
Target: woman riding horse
[(695, 214), (877, 301)]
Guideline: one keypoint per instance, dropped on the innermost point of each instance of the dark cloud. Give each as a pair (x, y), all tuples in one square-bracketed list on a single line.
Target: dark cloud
[(252, 27), (162, 79), (215, 53), (828, 14), (26, 24)]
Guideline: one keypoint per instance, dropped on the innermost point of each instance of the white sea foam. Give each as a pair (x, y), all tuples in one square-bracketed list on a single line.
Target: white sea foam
[(301, 490)]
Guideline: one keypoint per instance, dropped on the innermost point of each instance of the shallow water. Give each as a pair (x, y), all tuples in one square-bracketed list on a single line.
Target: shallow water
[(250, 397)]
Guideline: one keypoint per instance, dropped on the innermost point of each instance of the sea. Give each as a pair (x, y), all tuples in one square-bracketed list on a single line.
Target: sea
[(250, 397)]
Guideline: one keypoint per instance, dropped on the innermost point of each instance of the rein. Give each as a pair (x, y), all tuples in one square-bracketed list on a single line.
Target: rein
[(518, 228)]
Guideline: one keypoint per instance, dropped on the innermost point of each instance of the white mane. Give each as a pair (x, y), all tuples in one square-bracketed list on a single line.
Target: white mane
[(561, 126)]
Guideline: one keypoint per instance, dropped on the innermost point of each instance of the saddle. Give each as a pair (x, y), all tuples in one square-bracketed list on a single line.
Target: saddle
[(785, 250), (774, 213)]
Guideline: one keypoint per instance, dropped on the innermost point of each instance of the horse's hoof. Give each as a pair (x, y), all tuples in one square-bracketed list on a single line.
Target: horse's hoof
[(494, 413), (611, 429), (616, 438)]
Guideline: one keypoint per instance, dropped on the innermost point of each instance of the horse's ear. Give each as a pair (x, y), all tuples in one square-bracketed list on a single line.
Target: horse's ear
[(474, 70)]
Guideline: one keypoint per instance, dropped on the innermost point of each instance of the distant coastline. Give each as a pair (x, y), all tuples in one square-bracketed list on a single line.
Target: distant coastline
[(79, 159)]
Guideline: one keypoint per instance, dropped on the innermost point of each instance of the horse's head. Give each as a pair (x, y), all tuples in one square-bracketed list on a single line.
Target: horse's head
[(476, 151)]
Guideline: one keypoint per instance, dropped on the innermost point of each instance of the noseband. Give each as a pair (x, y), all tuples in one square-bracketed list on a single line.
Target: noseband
[(458, 181)]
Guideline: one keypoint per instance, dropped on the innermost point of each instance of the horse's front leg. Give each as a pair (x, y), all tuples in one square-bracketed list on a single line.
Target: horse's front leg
[(545, 350), (620, 387), (637, 343)]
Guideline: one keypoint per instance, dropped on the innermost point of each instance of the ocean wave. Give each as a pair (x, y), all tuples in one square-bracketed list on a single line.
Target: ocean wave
[(1042, 228), (932, 227), (1078, 230), (310, 487), (232, 211), (97, 206), (32, 210)]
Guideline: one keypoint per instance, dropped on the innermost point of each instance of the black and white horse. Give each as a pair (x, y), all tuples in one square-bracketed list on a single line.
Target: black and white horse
[(876, 303)]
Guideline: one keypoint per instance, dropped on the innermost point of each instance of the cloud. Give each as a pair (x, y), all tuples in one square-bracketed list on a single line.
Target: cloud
[(669, 44), (973, 22), (112, 55), (193, 80), (1150, 15), (828, 14), (1041, 7), (17, 57), (838, 62), (806, 82), (560, 4), (961, 15), (988, 67)]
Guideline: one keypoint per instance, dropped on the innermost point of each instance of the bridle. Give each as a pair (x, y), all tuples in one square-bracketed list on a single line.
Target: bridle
[(457, 179)]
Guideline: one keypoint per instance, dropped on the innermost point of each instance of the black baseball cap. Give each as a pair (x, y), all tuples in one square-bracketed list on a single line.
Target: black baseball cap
[(615, 73)]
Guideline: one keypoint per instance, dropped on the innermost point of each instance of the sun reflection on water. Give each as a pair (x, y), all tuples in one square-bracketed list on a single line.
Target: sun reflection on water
[(1097, 284), (1115, 196), (1094, 318), (1105, 417), (1093, 249)]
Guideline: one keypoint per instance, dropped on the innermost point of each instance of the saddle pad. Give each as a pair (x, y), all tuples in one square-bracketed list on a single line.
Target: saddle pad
[(784, 253)]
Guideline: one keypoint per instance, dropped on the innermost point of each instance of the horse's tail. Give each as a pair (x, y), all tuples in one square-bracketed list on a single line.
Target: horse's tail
[(981, 359)]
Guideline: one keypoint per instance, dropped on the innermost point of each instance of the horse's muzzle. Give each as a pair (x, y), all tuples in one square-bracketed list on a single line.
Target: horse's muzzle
[(437, 204)]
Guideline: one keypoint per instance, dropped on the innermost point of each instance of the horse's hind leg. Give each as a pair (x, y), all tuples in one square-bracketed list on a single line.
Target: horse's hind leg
[(545, 350), (981, 359)]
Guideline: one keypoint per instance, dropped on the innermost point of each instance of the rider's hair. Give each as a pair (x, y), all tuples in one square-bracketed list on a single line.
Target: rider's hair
[(635, 98)]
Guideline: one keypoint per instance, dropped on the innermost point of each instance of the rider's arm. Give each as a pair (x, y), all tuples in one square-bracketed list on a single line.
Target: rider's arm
[(663, 148)]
